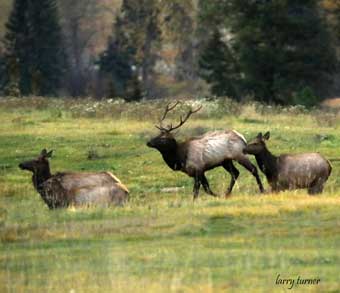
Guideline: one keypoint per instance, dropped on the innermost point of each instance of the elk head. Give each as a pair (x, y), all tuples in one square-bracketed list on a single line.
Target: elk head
[(257, 145), (165, 141), (39, 167)]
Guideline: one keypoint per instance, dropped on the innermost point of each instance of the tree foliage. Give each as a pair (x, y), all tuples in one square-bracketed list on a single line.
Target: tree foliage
[(134, 44), (278, 51), (117, 62), (219, 68), (281, 47), (34, 53)]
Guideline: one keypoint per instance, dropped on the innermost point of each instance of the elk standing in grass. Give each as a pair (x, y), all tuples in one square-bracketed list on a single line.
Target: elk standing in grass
[(197, 155), (308, 170), (64, 189)]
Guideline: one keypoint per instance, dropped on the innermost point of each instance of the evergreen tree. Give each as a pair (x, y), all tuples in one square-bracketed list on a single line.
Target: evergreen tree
[(134, 45), (18, 47), (141, 26), (134, 92), (219, 69), (115, 61), (3, 73), (281, 47), (211, 15), (33, 44)]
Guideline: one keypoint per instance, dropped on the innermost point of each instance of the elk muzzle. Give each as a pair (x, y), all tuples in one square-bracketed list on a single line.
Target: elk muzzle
[(26, 166), (154, 142), (150, 144)]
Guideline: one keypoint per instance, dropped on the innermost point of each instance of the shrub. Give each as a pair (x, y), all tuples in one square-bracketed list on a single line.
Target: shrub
[(306, 97)]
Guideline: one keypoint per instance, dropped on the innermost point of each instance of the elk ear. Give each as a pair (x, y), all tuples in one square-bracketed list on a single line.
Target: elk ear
[(46, 154), (266, 135)]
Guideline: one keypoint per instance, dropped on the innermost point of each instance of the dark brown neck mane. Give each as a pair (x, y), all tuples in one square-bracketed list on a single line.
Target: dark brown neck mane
[(53, 199), (172, 158), (40, 176)]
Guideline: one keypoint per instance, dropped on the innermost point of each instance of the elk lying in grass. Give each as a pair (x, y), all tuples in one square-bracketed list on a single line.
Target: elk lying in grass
[(308, 170), (197, 155), (64, 189)]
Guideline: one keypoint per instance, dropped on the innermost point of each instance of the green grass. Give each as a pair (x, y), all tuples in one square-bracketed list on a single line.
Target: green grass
[(161, 242)]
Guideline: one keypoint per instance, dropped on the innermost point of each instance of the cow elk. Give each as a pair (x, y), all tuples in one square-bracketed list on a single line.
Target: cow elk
[(64, 189), (307, 170), (197, 155)]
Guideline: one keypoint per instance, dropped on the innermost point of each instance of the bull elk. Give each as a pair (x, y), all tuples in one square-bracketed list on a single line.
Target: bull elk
[(64, 189), (197, 155), (307, 170)]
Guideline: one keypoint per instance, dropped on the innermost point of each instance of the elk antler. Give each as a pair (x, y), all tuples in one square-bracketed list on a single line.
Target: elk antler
[(168, 108), (182, 120)]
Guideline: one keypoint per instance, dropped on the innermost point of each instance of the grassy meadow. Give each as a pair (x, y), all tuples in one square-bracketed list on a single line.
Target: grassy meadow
[(162, 241)]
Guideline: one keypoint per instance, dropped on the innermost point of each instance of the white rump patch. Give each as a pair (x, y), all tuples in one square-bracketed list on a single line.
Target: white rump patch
[(240, 135), (114, 177)]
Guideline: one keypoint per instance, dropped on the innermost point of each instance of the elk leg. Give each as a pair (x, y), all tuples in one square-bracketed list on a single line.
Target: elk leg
[(206, 186), (245, 162), (229, 166), (316, 187), (197, 185)]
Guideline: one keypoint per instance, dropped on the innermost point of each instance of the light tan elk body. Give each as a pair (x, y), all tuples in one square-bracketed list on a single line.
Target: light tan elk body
[(197, 155), (308, 170), (64, 189)]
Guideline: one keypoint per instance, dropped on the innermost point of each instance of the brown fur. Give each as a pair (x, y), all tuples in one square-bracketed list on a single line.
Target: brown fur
[(308, 170), (64, 189), (197, 155)]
